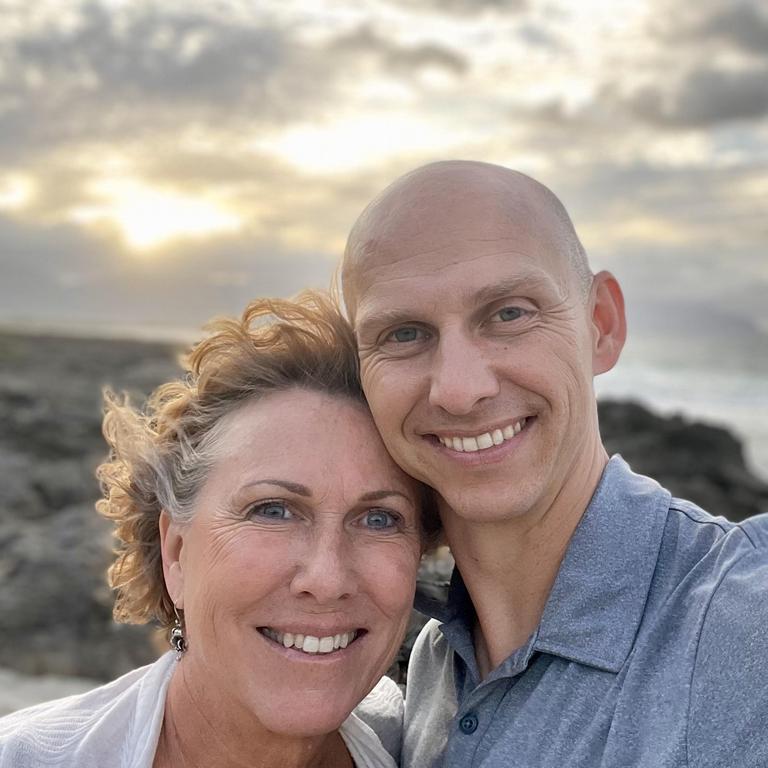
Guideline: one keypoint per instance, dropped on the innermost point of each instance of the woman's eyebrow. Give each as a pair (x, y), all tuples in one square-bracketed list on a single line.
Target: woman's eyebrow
[(297, 488), (379, 495)]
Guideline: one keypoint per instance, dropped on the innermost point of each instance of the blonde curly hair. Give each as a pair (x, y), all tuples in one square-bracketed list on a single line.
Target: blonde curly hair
[(160, 456)]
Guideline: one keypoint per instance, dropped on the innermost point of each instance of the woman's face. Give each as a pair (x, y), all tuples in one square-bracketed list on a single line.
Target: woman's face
[(297, 573)]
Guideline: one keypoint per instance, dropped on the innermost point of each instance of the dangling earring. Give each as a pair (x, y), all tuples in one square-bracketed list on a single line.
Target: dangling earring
[(177, 639)]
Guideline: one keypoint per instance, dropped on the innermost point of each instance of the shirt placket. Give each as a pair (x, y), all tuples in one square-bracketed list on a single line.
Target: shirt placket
[(472, 722)]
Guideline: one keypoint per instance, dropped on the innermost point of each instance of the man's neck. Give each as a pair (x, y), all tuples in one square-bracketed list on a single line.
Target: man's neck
[(509, 567)]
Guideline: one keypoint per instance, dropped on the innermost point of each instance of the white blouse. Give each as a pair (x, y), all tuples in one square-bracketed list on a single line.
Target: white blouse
[(118, 725)]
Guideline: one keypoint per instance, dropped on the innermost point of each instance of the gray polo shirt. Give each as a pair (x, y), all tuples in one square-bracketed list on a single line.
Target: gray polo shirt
[(652, 650)]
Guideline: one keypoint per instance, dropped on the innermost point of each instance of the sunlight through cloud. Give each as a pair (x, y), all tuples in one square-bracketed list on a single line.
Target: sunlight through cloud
[(15, 192), (149, 217), (355, 143)]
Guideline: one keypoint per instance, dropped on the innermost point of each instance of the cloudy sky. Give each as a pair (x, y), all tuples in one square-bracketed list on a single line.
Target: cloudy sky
[(164, 161)]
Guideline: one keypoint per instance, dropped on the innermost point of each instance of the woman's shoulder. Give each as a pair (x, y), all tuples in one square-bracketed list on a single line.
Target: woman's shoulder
[(82, 724), (373, 732)]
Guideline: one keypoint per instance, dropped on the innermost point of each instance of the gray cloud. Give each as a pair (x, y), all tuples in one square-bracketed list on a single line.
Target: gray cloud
[(706, 97), (741, 24), (398, 57), (142, 73), (155, 56), (128, 76), (538, 36), (464, 7)]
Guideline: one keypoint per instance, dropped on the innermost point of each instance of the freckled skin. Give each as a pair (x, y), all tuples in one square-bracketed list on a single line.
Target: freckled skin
[(300, 561)]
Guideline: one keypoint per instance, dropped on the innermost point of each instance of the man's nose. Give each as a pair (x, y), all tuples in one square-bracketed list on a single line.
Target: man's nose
[(461, 375), (325, 570)]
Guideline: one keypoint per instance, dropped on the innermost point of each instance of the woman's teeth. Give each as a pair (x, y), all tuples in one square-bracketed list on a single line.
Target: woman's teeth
[(310, 643), (485, 440)]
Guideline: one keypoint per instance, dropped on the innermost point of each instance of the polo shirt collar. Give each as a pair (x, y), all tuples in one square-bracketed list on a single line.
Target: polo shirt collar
[(596, 604)]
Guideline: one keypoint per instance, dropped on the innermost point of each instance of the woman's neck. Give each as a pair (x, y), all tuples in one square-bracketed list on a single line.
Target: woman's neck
[(192, 736)]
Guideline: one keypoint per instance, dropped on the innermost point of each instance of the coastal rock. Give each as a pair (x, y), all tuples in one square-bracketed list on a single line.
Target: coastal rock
[(700, 462)]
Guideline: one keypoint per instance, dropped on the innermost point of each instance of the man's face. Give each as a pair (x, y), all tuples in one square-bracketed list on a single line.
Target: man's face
[(476, 353)]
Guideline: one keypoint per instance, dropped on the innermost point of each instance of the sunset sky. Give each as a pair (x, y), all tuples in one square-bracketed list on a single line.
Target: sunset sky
[(164, 161)]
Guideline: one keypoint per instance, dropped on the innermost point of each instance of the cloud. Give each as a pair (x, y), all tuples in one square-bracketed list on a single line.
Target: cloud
[(130, 75), (143, 73), (741, 24), (465, 7), (398, 57), (59, 276), (706, 97)]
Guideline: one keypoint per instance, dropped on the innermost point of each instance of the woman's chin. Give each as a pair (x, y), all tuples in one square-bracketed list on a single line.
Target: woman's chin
[(302, 723)]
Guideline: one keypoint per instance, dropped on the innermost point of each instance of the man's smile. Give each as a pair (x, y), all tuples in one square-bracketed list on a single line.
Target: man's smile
[(483, 440)]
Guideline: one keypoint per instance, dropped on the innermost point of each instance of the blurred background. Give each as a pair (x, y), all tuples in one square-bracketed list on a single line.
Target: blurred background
[(162, 162)]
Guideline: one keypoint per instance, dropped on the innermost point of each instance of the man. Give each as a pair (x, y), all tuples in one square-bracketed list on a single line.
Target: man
[(592, 620)]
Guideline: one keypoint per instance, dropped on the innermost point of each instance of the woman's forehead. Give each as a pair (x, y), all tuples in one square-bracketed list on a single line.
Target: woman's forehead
[(312, 435)]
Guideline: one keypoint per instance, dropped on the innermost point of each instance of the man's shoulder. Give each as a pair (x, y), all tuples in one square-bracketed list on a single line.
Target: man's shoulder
[(703, 558), (739, 596), (730, 674), (695, 529)]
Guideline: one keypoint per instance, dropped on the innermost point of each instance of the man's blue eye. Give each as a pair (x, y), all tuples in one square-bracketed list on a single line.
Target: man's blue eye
[(509, 313), (270, 510), (379, 519), (404, 335)]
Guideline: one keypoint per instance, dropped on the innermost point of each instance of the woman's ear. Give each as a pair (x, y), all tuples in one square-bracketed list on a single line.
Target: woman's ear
[(609, 323), (171, 545)]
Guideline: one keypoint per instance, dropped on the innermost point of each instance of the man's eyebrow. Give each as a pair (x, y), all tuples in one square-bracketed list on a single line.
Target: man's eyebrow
[(297, 488), (513, 286), (384, 317)]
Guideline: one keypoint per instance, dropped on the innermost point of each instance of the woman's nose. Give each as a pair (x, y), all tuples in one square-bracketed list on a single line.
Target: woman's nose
[(325, 569)]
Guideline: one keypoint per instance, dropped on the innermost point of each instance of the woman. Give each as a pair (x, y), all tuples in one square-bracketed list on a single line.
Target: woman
[(261, 520)]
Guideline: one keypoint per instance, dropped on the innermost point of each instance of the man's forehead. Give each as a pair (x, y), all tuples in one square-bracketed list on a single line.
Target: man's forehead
[(490, 243), (456, 213)]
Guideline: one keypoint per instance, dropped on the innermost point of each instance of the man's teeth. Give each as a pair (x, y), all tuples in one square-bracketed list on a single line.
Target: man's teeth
[(310, 643), (486, 440)]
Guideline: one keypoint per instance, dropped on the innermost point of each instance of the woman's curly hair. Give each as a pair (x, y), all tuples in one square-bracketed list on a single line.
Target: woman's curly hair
[(160, 456)]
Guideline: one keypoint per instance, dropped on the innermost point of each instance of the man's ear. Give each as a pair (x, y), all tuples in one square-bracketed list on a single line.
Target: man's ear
[(609, 324), (171, 545)]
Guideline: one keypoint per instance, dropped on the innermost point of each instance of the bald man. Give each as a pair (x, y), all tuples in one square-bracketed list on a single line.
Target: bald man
[(592, 619)]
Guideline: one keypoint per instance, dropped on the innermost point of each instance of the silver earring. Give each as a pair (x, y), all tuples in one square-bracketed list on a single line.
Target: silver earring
[(177, 639)]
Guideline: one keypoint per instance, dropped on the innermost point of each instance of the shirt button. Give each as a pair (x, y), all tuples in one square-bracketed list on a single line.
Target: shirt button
[(468, 723)]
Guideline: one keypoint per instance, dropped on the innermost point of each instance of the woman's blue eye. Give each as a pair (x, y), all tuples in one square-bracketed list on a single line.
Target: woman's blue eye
[(270, 510), (379, 519), (509, 313)]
